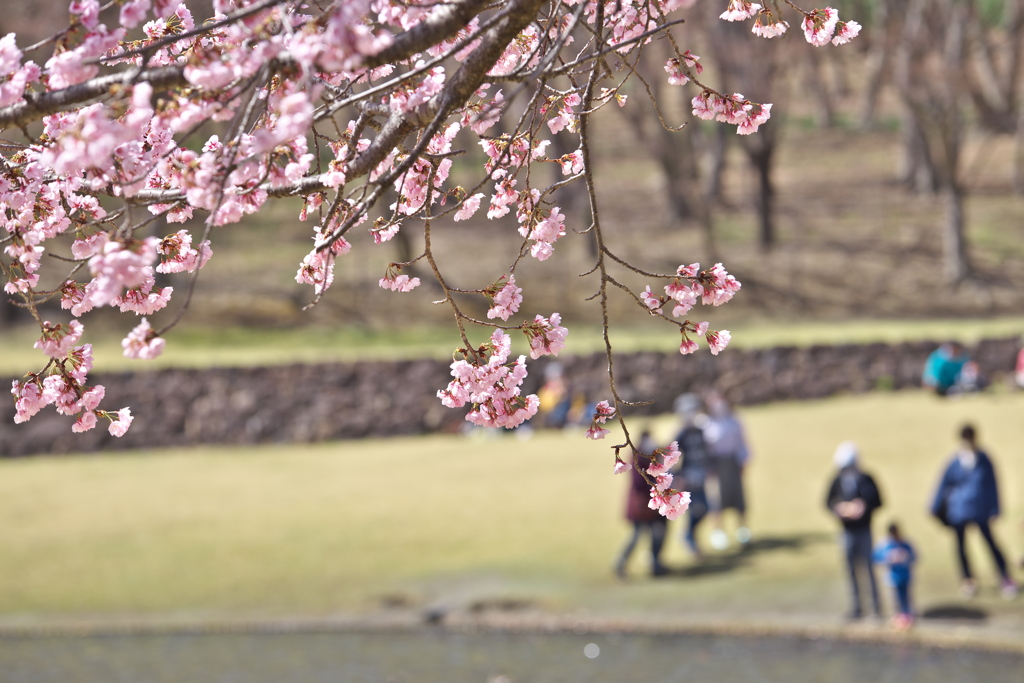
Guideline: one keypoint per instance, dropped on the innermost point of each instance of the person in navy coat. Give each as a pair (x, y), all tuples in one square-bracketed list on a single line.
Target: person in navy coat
[(968, 495)]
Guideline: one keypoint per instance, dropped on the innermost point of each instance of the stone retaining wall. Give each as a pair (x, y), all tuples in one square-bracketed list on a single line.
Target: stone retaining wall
[(306, 403)]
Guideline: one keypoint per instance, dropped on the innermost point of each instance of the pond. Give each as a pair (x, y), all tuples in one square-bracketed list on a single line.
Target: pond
[(442, 656)]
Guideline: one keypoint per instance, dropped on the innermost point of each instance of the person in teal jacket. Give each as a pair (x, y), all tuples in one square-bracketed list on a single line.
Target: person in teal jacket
[(943, 366)]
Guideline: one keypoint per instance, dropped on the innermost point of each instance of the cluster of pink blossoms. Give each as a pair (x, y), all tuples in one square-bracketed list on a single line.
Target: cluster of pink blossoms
[(603, 411), (767, 25), (64, 388), (505, 297), (747, 116), (142, 342), (677, 75), (492, 387), (666, 500), (740, 10), (714, 286), (669, 502), (546, 335), (822, 26)]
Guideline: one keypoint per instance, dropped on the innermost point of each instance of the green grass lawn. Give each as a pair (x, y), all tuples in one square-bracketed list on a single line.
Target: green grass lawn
[(347, 528)]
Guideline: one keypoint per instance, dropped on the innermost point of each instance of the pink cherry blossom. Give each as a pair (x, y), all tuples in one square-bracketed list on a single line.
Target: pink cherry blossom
[(603, 411), (688, 271), (470, 205), (718, 286), (120, 425), (651, 300), (663, 481), (664, 459), (677, 74), (178, 255), (620, 467), (571, 163), (820, 25), (133, 12), (506, 298), (10, 55), (546, 335), (86, 421), (688, 346), (91, 398), (120, 265), (142, 342), (670, 504), (739, 10), (28, 400), (57, 340), (718, 340), (400, 283), (845, 32), (767, 25)]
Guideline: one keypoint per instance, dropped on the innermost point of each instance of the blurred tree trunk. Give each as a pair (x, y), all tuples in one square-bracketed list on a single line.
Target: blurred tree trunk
[(930, 75), (917, 171), (674, 149), (751, 67), (993, 74), (885, 18), (715, 147), (1018, 152), (820, 93), (760, 151)]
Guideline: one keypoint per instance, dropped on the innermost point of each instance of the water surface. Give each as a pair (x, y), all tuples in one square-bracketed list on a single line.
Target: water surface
[(441, 656)]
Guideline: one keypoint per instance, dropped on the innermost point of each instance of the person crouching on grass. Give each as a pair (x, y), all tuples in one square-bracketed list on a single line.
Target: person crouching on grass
[(898, 555)]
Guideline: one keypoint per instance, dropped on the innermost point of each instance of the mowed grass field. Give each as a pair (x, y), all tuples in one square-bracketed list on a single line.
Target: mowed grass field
[(360, 527)]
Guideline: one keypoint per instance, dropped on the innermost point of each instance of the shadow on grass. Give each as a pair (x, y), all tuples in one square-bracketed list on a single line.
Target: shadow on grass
[(954, 613), (714, 564)]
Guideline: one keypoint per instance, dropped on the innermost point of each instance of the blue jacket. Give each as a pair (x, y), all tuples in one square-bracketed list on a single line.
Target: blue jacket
[(970, 495), (897, 556)]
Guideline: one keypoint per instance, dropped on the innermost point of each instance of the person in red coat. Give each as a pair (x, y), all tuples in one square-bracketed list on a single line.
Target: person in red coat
[(645, 521)]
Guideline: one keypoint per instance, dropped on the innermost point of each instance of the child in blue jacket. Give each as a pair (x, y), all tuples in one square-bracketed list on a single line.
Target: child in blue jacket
[(897, 555)]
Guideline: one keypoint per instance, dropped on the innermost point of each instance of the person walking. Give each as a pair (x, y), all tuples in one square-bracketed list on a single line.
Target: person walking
[(968, 495), (693, 466), (645, 520), (898, 556), (728, 458), (853, 498)]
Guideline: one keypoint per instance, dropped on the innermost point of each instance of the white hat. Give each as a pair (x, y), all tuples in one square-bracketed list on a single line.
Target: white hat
[(846, 454)]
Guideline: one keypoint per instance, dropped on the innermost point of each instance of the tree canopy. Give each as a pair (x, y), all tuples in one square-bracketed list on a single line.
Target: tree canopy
[(141, 113)]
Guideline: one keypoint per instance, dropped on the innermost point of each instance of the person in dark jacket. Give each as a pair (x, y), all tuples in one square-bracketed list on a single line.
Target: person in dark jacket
[(693, 466), (853, 498), (644, 519), (968, 495)]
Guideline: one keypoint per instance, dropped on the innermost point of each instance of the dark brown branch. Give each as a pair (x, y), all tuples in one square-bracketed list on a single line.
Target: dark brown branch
[(36, 107)]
